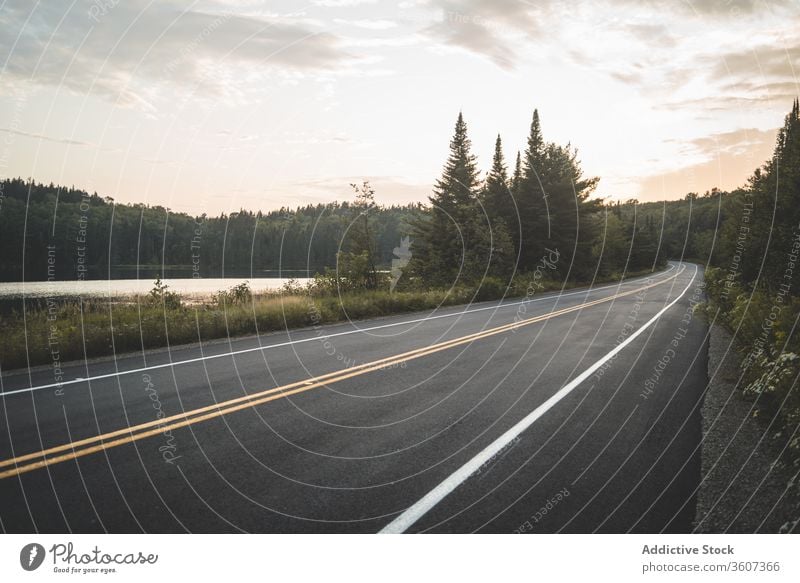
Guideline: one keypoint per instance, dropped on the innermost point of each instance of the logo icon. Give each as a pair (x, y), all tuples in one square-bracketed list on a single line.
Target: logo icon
[(31, 556), (402, 256)]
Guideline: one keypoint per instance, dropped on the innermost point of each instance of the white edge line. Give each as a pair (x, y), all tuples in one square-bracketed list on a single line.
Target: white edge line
[(302, 340), (432, 498)]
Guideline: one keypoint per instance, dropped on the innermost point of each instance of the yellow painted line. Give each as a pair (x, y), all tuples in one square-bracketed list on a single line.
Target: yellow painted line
[(76, 449)]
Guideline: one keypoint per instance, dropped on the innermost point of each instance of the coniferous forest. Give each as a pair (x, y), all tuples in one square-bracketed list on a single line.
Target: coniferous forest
[(496, 224), (474, 226), (112, 240)]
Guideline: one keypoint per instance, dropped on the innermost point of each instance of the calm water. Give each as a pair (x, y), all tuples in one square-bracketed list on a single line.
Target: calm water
[(126, 287)]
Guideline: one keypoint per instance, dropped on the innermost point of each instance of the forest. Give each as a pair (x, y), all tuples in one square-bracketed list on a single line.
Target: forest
[(94, 237)]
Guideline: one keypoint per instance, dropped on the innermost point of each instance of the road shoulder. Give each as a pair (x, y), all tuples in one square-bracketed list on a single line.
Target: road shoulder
[(745, 487)]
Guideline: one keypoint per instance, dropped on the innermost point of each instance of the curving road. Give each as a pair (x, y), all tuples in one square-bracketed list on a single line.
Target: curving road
[(571, 412)]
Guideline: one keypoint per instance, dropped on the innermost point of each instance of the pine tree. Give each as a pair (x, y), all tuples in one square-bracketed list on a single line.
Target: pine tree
[(500, 209), (531, 199), (570, 229), (775, 195), (516, 178), (536, 144), (496, 194), (441, 242), (513, 220)]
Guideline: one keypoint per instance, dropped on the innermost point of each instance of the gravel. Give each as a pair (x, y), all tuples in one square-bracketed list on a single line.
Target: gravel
[(746, 487)]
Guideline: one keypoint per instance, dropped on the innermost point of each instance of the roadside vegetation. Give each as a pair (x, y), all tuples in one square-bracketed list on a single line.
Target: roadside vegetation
[(753, 284), (73, 329)]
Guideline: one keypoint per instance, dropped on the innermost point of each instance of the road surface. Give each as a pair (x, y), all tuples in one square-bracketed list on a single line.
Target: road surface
[(571, 412)]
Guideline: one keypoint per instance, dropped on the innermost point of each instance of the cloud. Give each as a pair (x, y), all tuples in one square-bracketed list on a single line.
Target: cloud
[(705, 8), (136, 43), (502, 29), (724, 160), (768, 62), (67, 141), (735, 142), (368, 24), (651, 34), (341, 3), (388, 189), (485, 27), (749, 78), (731, 8)]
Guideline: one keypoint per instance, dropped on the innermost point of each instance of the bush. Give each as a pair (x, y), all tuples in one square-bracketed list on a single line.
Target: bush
[(238, 294), (491, 288), (763, 325), (160, 294), (100, 327)]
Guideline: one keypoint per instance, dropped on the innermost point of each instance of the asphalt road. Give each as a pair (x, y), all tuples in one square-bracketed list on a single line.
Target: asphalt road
[(497, 417)]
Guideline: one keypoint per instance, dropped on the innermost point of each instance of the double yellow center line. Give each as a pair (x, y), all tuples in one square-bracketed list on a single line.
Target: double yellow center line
[(83, 447)]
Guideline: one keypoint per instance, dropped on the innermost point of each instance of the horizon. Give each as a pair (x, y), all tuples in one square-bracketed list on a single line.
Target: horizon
[(216, 106), (340, 202)]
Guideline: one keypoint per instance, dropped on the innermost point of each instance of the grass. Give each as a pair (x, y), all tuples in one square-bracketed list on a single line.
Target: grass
[(57, 331)]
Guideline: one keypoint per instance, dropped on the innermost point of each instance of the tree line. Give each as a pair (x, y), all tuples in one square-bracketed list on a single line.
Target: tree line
[(111, 239), (507, 222), (475, 226)]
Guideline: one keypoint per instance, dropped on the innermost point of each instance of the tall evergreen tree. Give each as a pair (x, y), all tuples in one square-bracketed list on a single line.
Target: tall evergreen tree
[(513, 220), (442, 242), (531, 199), (516, 178), (775, 196), (570, 230), (499, 205), (496, 194)]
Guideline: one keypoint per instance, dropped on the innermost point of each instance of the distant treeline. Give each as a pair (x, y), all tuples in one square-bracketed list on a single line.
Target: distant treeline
[(78, 235), (473, 227), (95, 238), (505, 223)]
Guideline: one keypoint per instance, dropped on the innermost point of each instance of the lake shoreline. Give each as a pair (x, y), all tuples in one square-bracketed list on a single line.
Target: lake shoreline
[(55, 333), (120, 289)]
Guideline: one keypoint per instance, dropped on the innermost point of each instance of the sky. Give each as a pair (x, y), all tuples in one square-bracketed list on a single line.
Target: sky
[(216, 105)]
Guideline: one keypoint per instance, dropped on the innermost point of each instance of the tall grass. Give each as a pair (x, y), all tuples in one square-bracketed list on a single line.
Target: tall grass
[(72, 329), (56, 331)]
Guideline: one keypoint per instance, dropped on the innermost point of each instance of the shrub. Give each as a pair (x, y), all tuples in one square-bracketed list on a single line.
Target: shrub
[(160, 294)]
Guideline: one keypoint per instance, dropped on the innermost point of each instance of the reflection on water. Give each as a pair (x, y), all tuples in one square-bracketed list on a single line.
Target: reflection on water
[(127, 287)]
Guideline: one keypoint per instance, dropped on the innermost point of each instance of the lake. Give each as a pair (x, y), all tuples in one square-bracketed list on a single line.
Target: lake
[(127, 287)]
